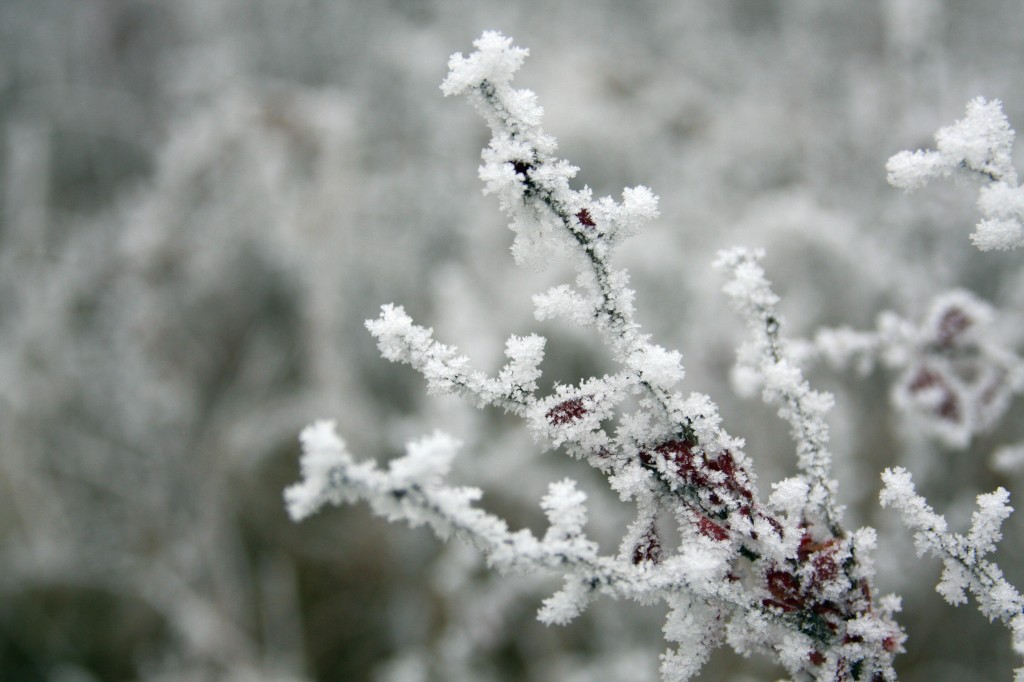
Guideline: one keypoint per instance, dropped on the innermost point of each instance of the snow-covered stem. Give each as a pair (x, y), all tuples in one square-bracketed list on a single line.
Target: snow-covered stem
[(400, 340), (783, 382), (965, 568)]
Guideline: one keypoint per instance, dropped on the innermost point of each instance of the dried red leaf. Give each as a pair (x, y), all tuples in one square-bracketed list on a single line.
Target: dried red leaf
[(566, 412), (953, 323), (648, 548), (710, 529)]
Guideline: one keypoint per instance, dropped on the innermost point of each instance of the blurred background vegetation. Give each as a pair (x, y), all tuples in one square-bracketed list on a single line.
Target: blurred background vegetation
[(202, 200)]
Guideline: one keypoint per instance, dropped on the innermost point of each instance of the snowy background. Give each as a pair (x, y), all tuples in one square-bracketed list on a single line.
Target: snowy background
[(202, 200)]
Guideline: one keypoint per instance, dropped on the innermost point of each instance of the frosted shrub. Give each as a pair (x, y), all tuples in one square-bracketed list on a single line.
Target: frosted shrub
[(956, 378), (781, 575)]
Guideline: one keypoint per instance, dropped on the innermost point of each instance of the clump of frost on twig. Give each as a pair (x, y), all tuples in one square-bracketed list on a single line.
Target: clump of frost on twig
[(980, 145)]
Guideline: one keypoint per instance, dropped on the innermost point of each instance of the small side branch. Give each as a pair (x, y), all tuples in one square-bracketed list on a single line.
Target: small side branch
[(783, 382)]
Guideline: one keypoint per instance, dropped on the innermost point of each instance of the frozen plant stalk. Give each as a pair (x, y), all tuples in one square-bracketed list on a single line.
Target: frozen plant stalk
[(965, 568), (780, 577)]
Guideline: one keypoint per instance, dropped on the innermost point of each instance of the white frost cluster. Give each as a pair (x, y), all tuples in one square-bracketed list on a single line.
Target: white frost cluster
[(323, 452), (496, 59), (1009, 459), (981, 144), (659, 367)]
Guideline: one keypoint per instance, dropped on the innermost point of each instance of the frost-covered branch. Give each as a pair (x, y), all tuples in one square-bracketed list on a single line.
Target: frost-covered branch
[(766, 357), (780, 577), (412, 489), (980, 145), (965, 568), (400, 340)]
